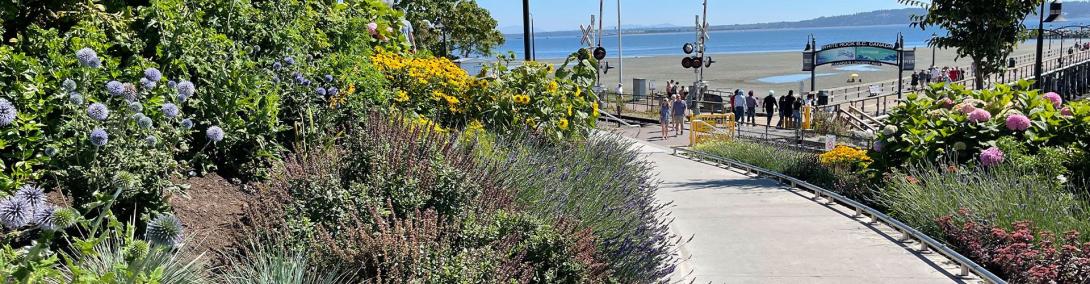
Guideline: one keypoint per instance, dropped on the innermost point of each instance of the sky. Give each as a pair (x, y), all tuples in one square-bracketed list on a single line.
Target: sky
[(563, 15)]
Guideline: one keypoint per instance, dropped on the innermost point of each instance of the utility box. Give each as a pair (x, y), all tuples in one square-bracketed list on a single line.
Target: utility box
[(823, 98), (639, 88)]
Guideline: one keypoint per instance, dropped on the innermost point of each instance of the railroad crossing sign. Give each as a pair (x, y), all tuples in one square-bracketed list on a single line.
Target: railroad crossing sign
[(588, 33), (702, 29)]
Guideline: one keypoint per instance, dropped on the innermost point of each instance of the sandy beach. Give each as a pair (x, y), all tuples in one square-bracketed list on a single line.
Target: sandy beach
[(780, 71)]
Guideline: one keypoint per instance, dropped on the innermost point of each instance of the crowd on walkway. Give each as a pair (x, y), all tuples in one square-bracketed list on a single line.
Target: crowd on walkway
[(744, 105), (936, 75)]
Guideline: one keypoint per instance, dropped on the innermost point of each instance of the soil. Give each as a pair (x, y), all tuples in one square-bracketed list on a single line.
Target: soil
[(210, 211)]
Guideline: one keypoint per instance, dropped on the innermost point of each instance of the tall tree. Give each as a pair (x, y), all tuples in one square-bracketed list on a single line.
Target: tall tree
[(986, 31), (445, 27)]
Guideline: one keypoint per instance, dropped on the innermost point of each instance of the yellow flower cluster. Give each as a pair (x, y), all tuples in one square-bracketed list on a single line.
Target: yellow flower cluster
[(563, 124), (422, 70), (402, 96), (845, 156), (553, 86), (521, 99)]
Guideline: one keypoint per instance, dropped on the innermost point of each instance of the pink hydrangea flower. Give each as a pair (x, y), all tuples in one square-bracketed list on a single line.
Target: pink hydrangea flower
[(372, 27), (979, 115), (991, 157), (1017, 122), (1066, 111), (967, 108), (1057, 101), (946, 102)]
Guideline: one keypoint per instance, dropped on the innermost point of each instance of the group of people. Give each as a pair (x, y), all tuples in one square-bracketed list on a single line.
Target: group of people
[(744, 105), (937, 75), (675, 88)]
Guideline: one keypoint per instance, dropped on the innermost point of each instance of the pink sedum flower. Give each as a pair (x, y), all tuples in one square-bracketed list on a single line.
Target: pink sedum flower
[(1018, 122), (1057, 101), (991, 157), (979, 115), (372, 28)]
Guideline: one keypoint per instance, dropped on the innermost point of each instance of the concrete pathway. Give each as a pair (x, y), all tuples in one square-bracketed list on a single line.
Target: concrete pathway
[(749, 230)]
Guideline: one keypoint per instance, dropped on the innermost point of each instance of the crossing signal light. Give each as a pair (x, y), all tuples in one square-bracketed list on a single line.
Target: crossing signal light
[(708, 62), (688, 48), (599, 53), (687, 62)]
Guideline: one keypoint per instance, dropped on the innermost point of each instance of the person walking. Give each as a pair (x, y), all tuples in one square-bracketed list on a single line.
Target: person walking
[(751, 108), (664, 116), (915, 80), (770, 107), (678, 112), (796, 113), (739, 103), (785, 109)]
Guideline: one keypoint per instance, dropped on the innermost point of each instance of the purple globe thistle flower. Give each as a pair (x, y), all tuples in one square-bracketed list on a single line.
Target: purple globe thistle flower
[(7, 112), (979, 115), (187, 124), (276, 79), (170, 110), (214, 134), (991, 157), (136, 107), (1055, 98), (43, 216), (171, 84), (276, 66), (32, 195), (298, 77), (148, 84), (98, 111), (333, 91), (289, 60), (131, 94), (182, 98), (115, 88), (50, 151), (321, 91), (328, 78), (165, 230), (99, 137), (306, 82), (88, 57), (144, 122), (153, 74), (186, 88), (75, 98), (1018, 122), (15, 212), (68, 85), (151, 141)]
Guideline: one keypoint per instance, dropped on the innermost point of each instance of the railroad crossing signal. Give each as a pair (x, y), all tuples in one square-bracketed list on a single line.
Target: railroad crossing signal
[(588, 32)]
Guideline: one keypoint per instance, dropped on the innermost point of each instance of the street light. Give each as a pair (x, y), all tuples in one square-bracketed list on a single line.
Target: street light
[(934, 48), (1055, 14)]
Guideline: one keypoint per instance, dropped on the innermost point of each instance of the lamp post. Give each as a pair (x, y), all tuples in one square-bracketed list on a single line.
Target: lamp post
[(812, 47), (934, 48), (526, 29), (1055, 10)]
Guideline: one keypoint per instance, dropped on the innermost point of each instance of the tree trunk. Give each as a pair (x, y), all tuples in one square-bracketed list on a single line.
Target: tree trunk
[(979, 75)]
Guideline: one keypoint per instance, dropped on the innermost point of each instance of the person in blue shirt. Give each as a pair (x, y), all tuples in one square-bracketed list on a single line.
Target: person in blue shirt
[(739, 107), (678, 113)]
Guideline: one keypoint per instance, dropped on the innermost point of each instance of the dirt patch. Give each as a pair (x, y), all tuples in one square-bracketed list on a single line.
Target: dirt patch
[(210, 211)]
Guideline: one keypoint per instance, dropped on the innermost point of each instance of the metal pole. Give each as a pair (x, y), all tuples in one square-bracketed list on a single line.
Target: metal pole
[(1039, 68), (813, 58), (934, 49), (526, 28), (620, 62), (900, 66), (533, 39)]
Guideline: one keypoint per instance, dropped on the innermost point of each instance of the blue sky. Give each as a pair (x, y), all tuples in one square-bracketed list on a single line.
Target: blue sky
[(552, 15)]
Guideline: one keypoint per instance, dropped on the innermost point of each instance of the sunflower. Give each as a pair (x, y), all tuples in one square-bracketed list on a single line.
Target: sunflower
[(563, 124)]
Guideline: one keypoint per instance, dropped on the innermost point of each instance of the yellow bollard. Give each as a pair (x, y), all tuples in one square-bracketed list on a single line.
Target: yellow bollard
[(806, 116)]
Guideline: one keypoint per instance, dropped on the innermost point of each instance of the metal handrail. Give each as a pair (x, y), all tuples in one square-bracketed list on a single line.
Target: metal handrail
[(906, 231)]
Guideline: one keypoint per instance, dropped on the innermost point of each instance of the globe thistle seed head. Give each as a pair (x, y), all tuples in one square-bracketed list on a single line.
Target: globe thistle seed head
[(15, 213), (130, 93), (165, 230), (151, 141), (289, 61), (144, 122), (32, 195), (127, 182), (187, 124), (115, 88), (62, 218), (321, 91), (8, 113), (276, 66), (99, 137), (69, 85), (148, 84), (88, 57), (186, 88), (171, 84), (153, 74), (136, 250), (214, 134), (333, 91), (136, 107), (98, 111), (170, 110), (75, 98), (328, 78)]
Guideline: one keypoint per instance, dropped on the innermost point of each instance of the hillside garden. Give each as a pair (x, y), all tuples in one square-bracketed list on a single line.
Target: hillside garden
[(311, 145)]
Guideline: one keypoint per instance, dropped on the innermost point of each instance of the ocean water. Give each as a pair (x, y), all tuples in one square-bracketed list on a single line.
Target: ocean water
[(727, 42)]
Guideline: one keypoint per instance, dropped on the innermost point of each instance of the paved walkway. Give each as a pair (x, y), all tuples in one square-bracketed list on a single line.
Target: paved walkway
[(749, 230)]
